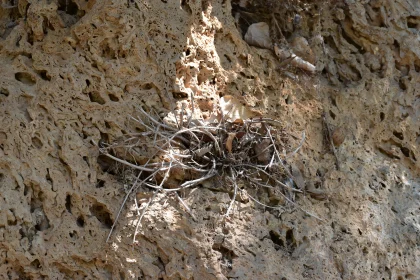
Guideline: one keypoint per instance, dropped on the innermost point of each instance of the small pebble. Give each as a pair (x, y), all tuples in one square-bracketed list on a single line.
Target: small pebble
[(338, 136)]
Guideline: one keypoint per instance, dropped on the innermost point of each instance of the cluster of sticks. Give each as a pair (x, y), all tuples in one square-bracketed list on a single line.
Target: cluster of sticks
[(193, 151)]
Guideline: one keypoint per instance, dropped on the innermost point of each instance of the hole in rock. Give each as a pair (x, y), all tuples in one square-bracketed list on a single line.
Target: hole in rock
[(36, 142), (73, 234), (36, 264), (399, 135), (30, 39), (68, 6), (405, 151), (278, 242), (102, 214), (227, 255), (289, 237), (381, 116), (113, 97), (365, 251), (80, 221), (4, 91), (44, 75), (147, 86), (25, 78), (332, 115), (402, 84), (106, 164), (104, 138), (397, 45), (180, 95), (96, 97), (100, 184), (68, 203), (413, 22), (185, 6)]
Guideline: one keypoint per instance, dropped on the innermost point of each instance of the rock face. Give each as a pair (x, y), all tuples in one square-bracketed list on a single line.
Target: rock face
[(73, 71)]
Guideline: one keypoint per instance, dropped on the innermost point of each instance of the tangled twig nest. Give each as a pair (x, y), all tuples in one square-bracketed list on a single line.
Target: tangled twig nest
[(170, 158)]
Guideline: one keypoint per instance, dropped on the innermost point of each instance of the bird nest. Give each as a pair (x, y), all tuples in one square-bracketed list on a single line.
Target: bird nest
[(170, 157)]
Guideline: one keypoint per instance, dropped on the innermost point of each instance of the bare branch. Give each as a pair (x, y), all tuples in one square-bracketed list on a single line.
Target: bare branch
[(186, 206), (142, 215), (235, 191)]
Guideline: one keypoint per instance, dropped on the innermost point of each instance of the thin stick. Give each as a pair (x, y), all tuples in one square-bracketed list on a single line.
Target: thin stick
[(298, 148), (260, 203), (278, 27), (293, 203), (142, 215), (121, 207), (155, 121), (196, 181), (235, 191), (138, 167), (166, 176), (186, 207), (280, 159), (137, 205), (125, 200), (271, 177)]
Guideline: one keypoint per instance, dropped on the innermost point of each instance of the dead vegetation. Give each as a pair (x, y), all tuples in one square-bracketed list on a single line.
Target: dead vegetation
[(278, 26), (169, 157)]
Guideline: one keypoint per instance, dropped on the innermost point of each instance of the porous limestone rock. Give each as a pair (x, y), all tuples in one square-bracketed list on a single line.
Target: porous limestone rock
[(73, 71)]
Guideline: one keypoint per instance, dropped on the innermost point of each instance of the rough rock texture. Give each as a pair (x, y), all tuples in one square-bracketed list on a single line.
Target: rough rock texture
[(72, 72)]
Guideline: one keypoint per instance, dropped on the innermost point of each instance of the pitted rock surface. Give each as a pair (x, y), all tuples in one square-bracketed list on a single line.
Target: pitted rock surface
[(72, 72)]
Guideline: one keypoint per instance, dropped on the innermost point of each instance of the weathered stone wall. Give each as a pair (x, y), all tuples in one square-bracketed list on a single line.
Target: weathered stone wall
[(72, 72)]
